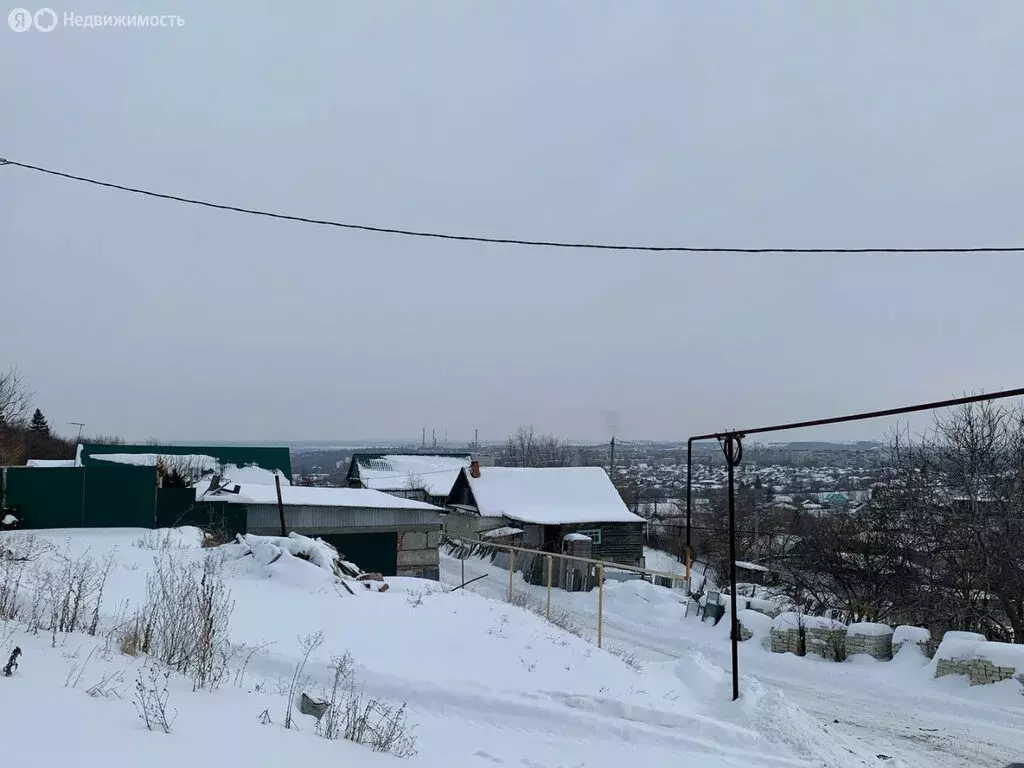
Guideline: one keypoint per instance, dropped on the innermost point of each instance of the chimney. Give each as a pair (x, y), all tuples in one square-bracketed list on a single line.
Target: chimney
[(474, 468)]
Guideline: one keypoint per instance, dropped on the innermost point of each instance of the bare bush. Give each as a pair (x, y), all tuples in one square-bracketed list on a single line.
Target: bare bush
[(151, 697), (109, 686), (19, 556), (308, 644), (629, 657), (49, 590), (185, 621), (372, 722)]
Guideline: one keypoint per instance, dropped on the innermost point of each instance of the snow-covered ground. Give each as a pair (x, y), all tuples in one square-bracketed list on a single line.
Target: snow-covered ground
[(865, 708), (486, 683)]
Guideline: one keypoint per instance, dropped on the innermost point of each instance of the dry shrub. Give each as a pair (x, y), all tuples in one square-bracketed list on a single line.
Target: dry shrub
[(382, 726), (184, 623)]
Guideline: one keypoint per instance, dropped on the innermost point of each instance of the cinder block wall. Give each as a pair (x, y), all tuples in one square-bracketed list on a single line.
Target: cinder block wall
[(878, 646), (981, 671), (418, 554)]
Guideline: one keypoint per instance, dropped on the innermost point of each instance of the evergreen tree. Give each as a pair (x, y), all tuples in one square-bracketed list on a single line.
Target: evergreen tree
[(39, 424)]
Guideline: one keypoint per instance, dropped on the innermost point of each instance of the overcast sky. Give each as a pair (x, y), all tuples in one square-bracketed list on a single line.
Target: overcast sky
[(801, 124)]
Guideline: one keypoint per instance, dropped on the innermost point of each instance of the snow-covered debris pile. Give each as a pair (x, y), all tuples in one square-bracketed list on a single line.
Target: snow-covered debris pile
[(269, 550), (868, 637), (962, 653), (9, 521)]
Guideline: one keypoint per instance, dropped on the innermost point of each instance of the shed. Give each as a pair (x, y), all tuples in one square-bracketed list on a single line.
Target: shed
[(547, 503), (379, 532), (420, 476)]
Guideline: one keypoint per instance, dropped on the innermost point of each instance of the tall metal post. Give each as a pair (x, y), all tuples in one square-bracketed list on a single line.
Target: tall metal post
[(600, 603), (280, 504), (733, 454), (689, 470)]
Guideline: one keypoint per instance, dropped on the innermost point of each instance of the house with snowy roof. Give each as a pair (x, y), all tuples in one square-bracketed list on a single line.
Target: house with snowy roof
[(549, 506), (418, 476)]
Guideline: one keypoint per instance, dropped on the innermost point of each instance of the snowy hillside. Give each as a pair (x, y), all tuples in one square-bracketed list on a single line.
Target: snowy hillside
[(841, 714), (485, 682)]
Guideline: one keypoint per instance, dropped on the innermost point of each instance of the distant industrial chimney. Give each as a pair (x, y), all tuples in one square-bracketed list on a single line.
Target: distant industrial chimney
[(474, 468)]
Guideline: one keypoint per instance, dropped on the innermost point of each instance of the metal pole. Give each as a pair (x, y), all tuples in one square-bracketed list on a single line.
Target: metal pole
[(733, 454), (280, 504), (611, 461), (689, 472), (550, 564), (463, 561), (600, 602), (511, 571)]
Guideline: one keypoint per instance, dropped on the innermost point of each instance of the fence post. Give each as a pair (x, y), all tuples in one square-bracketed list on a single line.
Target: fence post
[(462, 560), (511, 571), (600, 602), (550, 562)]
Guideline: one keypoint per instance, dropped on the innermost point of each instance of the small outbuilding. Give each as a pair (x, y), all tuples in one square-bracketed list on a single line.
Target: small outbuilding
[(378, 532)]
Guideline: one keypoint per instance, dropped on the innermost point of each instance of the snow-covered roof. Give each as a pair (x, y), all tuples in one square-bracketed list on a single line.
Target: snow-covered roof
[(576, 537), (293, 495), (50, 463), (402, 472), (549, 495), (192, 461), (498, 533)]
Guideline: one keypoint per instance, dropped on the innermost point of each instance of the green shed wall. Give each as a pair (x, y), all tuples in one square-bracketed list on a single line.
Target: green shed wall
[(265, 457)]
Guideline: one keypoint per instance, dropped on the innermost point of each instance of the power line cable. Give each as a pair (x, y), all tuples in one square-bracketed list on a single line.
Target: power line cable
[(493, 240)]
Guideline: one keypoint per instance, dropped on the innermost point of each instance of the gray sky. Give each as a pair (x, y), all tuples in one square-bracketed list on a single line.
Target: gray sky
[(736, 123)]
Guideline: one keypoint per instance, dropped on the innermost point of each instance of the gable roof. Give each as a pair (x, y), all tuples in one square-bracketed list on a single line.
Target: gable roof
[(548, 495), (435, 473)]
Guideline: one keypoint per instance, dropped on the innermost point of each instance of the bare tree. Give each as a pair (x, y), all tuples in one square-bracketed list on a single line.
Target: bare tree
[(526, 448), (15, 399), (939, 543)]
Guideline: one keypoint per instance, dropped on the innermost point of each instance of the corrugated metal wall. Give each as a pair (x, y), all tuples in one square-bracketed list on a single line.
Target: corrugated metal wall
[(81, 497), (324, 520)]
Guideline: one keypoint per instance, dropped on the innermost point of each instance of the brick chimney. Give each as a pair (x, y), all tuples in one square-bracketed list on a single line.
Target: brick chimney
[(474, 468)]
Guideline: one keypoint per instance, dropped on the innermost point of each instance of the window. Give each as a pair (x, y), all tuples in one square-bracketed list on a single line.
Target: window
[(594, 534)]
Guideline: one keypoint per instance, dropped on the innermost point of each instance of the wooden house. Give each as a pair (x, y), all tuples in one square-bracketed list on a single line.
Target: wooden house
[(547, 505)]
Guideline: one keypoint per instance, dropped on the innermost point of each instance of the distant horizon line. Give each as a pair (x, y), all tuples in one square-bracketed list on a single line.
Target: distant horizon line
[(409, 444)]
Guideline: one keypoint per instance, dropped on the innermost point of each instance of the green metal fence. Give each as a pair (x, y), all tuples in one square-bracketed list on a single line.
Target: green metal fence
[(176, 507), (81, 497)]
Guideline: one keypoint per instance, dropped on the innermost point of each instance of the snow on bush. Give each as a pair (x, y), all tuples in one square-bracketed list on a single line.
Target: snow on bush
[(868, 629)]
